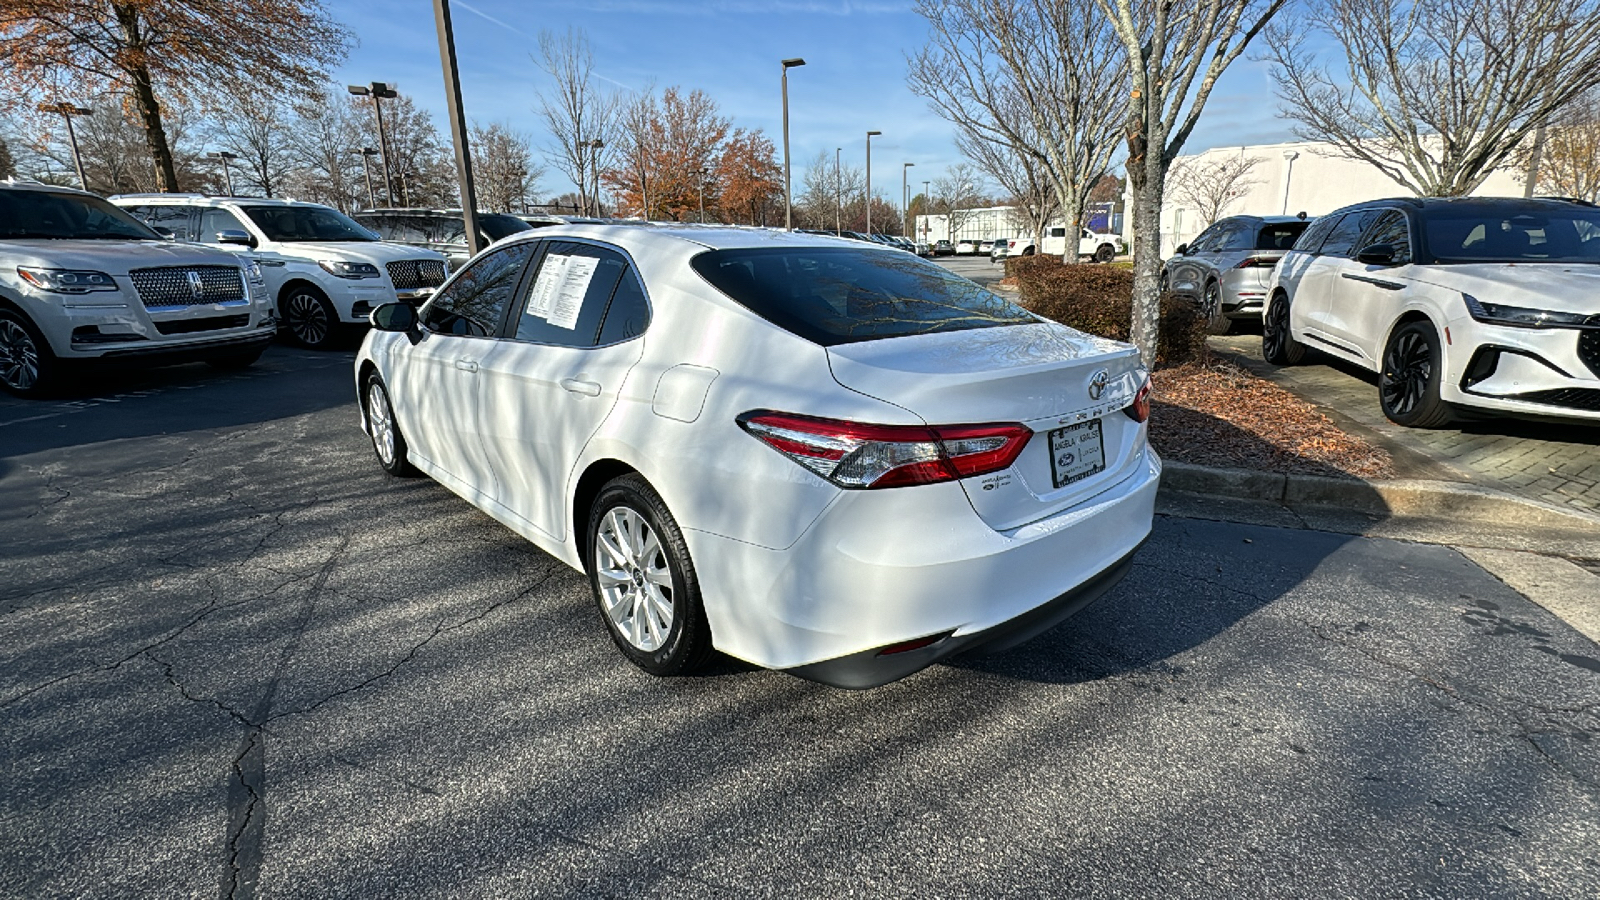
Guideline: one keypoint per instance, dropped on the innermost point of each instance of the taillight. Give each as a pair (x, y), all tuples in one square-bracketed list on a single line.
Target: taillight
[(856, 455), (1258, 262), (1139, 409)]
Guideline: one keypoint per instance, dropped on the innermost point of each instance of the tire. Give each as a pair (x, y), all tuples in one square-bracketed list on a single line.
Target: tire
[(28, 368), (1217, 321), (644, 582), (237, 360), (387, 441), (1028, 251), (1408, 381), (1105, 253), (1278, 345), (308, 316)]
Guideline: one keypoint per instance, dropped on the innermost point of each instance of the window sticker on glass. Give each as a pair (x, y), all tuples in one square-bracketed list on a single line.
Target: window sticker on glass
[(569, 296), (543, 294)]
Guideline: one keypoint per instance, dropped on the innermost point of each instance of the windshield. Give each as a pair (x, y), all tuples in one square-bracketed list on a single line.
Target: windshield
[(1504, 235), (497, 225), (830, 295), (1280, 235), (63, 216), (306, 223)]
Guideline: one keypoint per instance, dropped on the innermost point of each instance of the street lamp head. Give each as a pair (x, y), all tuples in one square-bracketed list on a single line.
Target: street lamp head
[(360, 90), (386, 90), (907, 165), (65, 109), (874, 133), (791, 63), (597, 143), (222, 154)]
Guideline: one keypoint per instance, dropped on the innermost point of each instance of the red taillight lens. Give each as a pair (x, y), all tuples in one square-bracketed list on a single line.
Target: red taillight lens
[(1139, 409), (1258, 262), (858, 455)]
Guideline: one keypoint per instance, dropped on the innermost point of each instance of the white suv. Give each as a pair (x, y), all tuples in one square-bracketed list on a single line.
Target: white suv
[(82, 280), (322, 268), (1491, 303)]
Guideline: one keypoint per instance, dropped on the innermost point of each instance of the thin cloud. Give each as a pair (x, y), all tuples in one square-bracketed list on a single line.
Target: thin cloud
[(746, 7), (481, 14)]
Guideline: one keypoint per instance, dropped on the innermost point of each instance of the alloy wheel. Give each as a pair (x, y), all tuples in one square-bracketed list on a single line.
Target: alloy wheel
[(1275, 328), (307, 318), (635, 582), (1407, 369), (19, 356), (380, 422)]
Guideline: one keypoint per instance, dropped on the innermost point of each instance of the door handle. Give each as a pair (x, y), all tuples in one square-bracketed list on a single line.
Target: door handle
[(467, 365), (586, 388)]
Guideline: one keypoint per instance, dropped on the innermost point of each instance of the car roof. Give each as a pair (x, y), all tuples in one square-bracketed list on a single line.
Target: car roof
[(216, 199), (16, 184), (668, 236), (1474, 204)]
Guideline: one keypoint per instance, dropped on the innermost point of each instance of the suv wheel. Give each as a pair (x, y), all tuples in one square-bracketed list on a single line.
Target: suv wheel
[(308, 315), (1105, 253), (27, 367), (1217, 321), (1408, 382), (1278, 345)]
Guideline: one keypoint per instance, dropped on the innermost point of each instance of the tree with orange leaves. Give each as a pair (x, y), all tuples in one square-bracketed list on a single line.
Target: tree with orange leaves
[(749, 180), (183, 50), (668, 145)]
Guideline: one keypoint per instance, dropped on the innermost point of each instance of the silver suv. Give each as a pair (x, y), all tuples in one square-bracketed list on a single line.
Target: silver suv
[(322, 269), (82, 280), (1226, 268)]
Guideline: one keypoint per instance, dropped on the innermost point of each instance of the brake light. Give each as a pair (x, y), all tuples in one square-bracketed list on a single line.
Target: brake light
[(1258, 262), (859, 456), (1139, 409)]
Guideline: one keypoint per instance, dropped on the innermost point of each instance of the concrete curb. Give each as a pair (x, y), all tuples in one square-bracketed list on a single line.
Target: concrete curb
[(1406, 498)]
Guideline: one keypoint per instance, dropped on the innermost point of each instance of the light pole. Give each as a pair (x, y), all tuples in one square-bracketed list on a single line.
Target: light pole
[(367, 153), (838, 192), (925, 207), (380, 91), (458, 123), (870, 135), (594, 164), (905, 199), (702, 186), (1288, 174), (788, 194), (67, 111), (227, 174)]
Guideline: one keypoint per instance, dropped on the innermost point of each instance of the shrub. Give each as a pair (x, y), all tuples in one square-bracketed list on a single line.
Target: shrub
[(1098, 299)]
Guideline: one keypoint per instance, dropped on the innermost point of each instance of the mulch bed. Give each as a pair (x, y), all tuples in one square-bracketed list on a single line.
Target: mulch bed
[(1217, 414)]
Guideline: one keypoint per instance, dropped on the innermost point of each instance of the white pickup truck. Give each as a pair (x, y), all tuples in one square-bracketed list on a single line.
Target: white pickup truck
[(1101, 247)]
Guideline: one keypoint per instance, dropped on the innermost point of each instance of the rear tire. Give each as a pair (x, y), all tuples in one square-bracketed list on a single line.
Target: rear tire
[(643, 580), (28, 368), (1278, 345), (1217, 321), (1408, 382)]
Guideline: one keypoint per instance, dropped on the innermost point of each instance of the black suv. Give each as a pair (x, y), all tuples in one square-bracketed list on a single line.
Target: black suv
[(441, 230)]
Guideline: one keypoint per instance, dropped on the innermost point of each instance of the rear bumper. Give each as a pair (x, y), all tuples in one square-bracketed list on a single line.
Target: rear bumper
[(879, 568)]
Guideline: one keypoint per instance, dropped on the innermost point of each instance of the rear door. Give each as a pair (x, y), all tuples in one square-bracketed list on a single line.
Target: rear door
[(546, 389)]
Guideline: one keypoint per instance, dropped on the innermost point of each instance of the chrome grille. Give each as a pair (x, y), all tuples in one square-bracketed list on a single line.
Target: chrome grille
[(174, 286), (410, 274), (1589, 344)]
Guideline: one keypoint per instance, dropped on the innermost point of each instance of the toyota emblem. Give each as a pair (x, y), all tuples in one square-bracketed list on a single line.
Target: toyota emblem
[(197, 288), (1097, 384)]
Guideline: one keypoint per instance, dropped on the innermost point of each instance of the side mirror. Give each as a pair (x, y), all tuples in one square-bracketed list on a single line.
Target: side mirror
[(235, 236), (164, 232), (401, 317), (1181, 250), (1377, 255)]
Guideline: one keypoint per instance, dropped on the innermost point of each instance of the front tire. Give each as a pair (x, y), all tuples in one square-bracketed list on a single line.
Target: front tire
[(308, 316), (1105, 253), (387, 441), (1408, 382), (1278, 345), (28, 368), (644, 581)]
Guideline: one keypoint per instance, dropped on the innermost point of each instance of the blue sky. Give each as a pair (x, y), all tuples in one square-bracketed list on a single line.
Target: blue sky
[(854, 79)]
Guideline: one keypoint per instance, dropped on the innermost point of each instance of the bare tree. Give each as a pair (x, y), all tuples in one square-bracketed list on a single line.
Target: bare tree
[(1021, 175), (503, 168), (955, 194), (1209, 186), (830, 194), (1570, 162), (1175, 54), (575, 111), (255, 127), (1038, 76), (326, 140), (1435, 93), (421, 165)]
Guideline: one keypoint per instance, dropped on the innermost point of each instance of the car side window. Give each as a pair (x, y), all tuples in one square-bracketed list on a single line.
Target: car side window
[(173, 218), (213, 220), (628, 314), (473, 304), (1058, 232), (565, 303), (1204, 242), (1311, 239), (1390, 228), (1342, 239)]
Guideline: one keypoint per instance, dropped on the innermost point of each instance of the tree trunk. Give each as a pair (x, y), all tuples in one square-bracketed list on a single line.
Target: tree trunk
[(1147, 178), (155, 136)]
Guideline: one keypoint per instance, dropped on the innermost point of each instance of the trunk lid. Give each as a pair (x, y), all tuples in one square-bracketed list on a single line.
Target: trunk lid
[(1044, 375)]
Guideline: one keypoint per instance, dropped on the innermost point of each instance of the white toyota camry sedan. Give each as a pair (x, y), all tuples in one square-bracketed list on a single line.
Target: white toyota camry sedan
[(836, 460)]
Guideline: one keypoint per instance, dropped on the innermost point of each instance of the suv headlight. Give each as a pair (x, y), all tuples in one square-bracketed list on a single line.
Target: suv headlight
[(1521, 316), (252, 273), (349, 269), (67, 281)]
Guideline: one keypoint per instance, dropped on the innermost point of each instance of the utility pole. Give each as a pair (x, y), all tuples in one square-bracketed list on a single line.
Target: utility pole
[(788, 192), (594, 163), (905, 199), (702, 186), (870, 135), (458, 122), (838, 192), (67, 111)]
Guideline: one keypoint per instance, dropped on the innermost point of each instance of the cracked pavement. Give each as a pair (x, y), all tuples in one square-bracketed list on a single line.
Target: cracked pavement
[(237, 660)]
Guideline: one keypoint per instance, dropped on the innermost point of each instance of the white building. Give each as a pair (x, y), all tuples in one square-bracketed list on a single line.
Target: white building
[(1307, 176)]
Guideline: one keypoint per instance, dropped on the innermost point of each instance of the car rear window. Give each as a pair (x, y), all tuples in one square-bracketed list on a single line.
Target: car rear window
[(842, 295), (1280, 236)]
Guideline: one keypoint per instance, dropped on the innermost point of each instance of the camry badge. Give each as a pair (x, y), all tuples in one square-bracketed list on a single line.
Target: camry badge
[(197, 288), (1097, 384)]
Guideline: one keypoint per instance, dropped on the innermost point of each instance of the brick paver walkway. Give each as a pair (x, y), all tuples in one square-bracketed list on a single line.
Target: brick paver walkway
[(1555, 463)]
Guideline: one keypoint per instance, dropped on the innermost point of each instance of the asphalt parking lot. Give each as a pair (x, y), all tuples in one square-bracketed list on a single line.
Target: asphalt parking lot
[(239, 660)]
